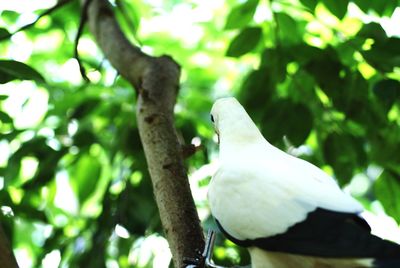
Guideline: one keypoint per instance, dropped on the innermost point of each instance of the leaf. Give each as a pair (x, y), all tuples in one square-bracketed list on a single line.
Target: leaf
[(285, 118), (288, 28), (3, 97), (11, 70), (387, 191), (384, 56), (373, 30), (5, 118), (277, 61), (85, 176), (326, 70), (36, 146), (387, 91), (337, 7), (3, 33), (310, 4), (241, 15), (256, 90), (382, 8), (85, 108), (344, 153), (84, 138), (46, 170), (244, 42), (10, 16)]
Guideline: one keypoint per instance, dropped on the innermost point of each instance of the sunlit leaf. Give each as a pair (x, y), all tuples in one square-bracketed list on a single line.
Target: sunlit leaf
[(9, 16), (241, 15), (387, 190)]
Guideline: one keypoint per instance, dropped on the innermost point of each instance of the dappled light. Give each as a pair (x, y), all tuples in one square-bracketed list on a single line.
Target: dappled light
[(319, 78)]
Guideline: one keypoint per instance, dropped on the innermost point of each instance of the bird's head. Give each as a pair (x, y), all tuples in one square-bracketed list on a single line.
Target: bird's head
[(231, 121)]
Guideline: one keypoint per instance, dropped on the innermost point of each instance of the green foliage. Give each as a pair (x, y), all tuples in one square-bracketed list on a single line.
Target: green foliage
[(11, 70), (241, 15), (244, 42), (311, 74)]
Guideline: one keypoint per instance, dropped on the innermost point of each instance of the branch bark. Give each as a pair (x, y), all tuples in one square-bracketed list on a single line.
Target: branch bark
[(7, 258), (156, 80)]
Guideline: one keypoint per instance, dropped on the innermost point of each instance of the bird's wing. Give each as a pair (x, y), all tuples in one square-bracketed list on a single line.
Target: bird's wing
[(248, 207), (271, 194), (309, 184), (326, 234)]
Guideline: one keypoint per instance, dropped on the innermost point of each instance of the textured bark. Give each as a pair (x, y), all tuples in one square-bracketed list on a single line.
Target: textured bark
[(7, 258), (156, 80)]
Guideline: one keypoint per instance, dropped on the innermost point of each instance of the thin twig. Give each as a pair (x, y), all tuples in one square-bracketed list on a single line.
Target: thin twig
[(84, 16), (44, 13)]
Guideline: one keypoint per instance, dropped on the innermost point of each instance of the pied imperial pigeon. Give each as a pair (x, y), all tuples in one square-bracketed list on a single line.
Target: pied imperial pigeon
[(286, 211)]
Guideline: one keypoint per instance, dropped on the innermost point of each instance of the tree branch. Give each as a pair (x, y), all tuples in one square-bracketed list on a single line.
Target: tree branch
[(82, 22), (7, 258), (41, 15), (156, 80)]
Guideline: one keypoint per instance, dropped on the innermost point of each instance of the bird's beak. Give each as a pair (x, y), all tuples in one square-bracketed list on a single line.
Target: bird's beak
[(217, 136)]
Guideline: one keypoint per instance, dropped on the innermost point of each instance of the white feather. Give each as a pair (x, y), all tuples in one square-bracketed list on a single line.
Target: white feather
[(259, 190)]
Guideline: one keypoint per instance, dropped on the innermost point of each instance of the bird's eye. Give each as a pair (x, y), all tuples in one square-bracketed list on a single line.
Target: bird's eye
[(212, 118)]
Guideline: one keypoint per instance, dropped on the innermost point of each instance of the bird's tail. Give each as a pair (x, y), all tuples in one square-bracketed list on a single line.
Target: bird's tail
[(388, 263)]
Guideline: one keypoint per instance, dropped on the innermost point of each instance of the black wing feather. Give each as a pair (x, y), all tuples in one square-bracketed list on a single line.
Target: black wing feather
[(327, 234)]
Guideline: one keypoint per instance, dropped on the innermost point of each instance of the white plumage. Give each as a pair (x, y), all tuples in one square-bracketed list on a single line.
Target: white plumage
[(287, 188), (260, 191)]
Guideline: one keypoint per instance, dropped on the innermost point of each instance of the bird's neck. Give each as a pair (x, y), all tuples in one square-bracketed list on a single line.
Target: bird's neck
[(238, 138)]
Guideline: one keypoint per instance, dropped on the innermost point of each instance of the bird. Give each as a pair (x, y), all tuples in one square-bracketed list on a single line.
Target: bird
[(286, 211)]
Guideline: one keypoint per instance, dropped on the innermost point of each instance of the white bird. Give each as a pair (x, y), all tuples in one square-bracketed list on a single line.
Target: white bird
[(286, 211)]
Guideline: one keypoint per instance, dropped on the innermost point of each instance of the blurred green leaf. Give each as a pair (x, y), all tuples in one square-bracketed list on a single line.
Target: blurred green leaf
[(288, 29), (382, 8), (276, 60), (310, 4), (244, 42), (5, 118), (256, 90), (85, 108), (85, 176), (387, 91), (46, 170), (387, 191), (344, 153), (11, 70), (9, 16), (285, 118), (3, 97), (3, 33), (384, 55), (373, 30), (326, 68), (337, 7), (241, 15)]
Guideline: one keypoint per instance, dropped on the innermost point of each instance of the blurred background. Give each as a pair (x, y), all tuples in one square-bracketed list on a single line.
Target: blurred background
[(320, 78)]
